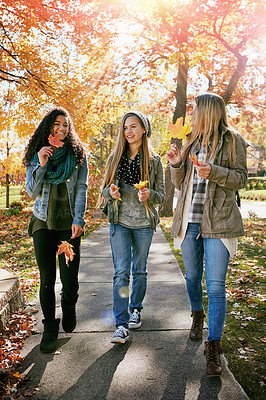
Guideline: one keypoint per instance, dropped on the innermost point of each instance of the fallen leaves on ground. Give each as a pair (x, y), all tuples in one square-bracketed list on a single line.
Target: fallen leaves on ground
[(20, 326)]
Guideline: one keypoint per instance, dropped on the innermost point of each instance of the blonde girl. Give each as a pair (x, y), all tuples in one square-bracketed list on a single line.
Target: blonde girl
[(207, 220)]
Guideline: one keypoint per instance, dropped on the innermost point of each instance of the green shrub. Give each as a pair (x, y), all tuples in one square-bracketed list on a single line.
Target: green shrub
[(259, 195), (14, 209), (256, 183)]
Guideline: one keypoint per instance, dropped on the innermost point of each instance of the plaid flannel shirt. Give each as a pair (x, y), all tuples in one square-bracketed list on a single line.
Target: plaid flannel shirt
[(198, 193)]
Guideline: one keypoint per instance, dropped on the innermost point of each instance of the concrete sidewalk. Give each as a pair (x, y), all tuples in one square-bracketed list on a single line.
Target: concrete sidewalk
[(158, 362)]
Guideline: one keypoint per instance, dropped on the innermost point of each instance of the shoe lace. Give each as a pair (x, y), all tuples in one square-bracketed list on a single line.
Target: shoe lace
[(213, 352), (121, 330), (197, 320), (134, 316)]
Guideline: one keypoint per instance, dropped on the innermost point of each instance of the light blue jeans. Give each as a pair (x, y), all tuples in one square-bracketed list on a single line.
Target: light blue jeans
[(216, 264), (129, 246)]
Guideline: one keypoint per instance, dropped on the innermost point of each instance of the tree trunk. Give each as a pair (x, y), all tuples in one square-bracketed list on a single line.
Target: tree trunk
[(7, 190), (181, 91), (241, 65), (166, 209)]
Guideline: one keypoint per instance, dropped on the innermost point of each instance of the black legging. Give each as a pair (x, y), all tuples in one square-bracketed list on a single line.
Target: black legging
[(46, 245)]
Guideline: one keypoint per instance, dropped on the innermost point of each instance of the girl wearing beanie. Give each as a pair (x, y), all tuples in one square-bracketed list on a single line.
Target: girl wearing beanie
[(56, 176), (132, 216)]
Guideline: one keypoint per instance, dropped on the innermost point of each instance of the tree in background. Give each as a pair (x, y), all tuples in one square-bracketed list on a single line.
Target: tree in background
[(218, 40), (94, 57)]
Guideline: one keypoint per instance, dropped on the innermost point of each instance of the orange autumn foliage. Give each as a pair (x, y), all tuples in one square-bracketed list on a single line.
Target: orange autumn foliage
[(194, 159), (55, 141), (67, 248)]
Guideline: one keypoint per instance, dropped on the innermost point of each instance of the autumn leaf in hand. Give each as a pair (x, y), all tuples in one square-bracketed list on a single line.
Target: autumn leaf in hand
[(178, 130), (55, 141), (66, 247), (117, 188), (141, 184), (194, 159)]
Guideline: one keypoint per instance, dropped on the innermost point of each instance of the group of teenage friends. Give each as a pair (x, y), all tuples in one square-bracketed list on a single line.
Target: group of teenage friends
[(206, 221)]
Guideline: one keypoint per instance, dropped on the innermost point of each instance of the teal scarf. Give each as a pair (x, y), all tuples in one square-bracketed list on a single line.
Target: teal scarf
[(60, 165)]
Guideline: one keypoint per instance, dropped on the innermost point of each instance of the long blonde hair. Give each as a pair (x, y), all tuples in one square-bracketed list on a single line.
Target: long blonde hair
[(121, 146), (209, 120)]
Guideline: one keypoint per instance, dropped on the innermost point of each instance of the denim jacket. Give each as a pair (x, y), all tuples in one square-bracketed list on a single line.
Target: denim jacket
[(38, 188)]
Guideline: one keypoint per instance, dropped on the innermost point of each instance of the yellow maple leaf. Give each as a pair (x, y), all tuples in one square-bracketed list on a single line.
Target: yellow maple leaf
[(141, 184), (178, 130)]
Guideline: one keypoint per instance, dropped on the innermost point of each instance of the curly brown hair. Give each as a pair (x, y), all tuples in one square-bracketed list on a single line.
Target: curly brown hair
[(42, 132)]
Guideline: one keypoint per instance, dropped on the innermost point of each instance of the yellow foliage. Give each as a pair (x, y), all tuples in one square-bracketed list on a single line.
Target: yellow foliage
[(178, 130)]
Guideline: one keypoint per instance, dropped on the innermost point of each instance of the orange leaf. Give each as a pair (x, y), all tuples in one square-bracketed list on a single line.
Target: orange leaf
[(194, 159), (66, 248), (55, 141)]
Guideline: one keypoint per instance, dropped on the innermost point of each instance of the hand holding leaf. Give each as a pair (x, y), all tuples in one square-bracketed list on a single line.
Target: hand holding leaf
[(115, 192), (66, 247), (55, 141), (142, 185)]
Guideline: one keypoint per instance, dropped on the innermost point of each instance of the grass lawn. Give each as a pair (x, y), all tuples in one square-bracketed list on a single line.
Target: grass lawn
[(14, 195), (244, 334)]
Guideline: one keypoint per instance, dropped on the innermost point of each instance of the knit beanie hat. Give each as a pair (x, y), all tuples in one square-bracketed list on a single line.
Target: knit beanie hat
[(143, 118)]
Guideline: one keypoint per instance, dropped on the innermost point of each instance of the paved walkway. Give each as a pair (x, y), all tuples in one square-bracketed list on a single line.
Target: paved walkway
[(158, 362)]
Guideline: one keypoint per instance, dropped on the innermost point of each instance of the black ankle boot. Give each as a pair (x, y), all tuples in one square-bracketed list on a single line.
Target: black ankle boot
[(197, 325), (49, 337), (69, 319)]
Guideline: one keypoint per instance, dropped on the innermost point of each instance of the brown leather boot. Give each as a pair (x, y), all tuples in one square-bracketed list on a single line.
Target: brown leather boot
[(212, 352), (197, 325)]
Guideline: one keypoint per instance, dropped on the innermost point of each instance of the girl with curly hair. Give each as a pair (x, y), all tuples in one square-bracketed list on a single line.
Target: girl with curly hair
[(56, 176)]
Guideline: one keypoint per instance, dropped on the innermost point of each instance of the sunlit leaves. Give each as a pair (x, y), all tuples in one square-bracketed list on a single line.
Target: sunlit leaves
[(178, 130)]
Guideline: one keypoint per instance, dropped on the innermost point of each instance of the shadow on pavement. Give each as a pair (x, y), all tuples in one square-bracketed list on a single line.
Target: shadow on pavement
[(177, 382), (37, 361), (96, 380), (182, 374)]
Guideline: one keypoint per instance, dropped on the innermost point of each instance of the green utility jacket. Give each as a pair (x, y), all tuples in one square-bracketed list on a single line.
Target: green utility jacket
[(156, 186), (221, 215)]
